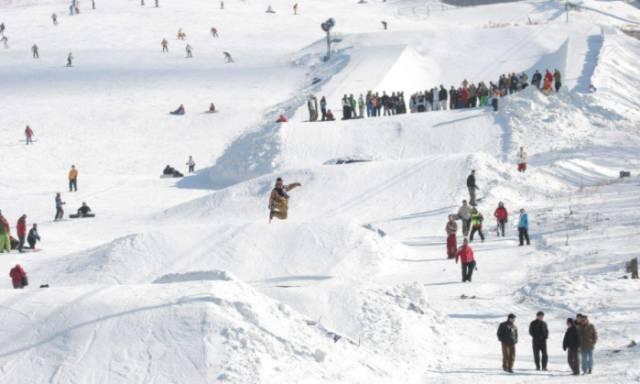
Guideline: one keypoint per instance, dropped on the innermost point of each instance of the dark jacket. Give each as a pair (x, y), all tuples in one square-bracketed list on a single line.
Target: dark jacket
[(508, 333), (471, 181), (538, 331), (571, 339), (33, 235)]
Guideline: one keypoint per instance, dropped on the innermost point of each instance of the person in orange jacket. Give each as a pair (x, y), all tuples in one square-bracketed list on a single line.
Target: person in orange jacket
[(73, 179)]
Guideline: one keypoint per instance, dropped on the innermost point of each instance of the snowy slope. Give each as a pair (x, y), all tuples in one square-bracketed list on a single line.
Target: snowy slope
[(185, 280)]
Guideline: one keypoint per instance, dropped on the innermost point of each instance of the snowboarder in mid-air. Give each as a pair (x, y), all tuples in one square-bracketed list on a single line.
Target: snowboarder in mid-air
[(279, 199)]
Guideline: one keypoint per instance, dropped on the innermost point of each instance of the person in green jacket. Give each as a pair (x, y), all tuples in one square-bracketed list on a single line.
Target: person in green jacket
[(5, 240), (476, 224)]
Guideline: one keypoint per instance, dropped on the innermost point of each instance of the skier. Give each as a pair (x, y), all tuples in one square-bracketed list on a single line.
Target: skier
[(476, 224), (227, 58), (588, 338), (539, 334), (465, 253), (70, 60), (28, 133), (557, 77), (34, 51), (523, 227), (189, 50), (18, 277), (522, 160), (5, 239), (295, 8), (179, 111), (508, 336), (33, 236), (21, 230), (165, 45), (279, 199), (472, 187), (501, 216), (452, 244), (54, 18), (191, 164), (73, 179), (464, 214), (214, 32), (59, 210), (571, 343), (384, 24)]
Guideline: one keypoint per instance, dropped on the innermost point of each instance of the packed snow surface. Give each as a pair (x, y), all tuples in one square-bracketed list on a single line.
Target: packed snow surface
[(185, 281)]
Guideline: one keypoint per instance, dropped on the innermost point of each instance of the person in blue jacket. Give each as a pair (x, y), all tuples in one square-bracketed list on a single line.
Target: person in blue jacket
[(523, 227)]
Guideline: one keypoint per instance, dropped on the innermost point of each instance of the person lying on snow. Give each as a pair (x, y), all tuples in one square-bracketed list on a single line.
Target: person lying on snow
[(170, 171), (179, 111), (279, 199)]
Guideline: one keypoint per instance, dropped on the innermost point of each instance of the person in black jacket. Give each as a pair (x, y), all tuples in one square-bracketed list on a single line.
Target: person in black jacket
[(508, 336), (571, 343), (33, 236), (539, 334), (471, 185)]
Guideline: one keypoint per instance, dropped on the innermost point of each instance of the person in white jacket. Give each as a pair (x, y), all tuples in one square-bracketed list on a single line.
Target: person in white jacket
[(522, 160), (191, 164)]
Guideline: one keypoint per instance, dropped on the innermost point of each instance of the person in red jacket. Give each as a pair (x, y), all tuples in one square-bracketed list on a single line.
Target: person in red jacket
[(21, 228), (18, 277), (501, 216), (465, 254), (28, 132)]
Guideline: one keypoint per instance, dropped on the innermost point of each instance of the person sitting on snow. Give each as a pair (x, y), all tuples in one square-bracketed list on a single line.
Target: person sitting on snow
[(170, 171), (212, 108), (84, 210), (33, 236), (282, 119), (179, 111), (329, 116), (18, 277)]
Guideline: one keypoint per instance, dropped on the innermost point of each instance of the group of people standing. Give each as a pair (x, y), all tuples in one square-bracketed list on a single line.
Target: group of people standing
[(9, 243), (579, 341)]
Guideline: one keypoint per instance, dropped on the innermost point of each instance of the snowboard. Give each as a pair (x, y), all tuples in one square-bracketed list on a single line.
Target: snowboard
[(30, 250), (87, 216)]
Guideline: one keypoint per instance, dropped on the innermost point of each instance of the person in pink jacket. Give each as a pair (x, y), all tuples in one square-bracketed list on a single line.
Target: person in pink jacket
[(465, 254)]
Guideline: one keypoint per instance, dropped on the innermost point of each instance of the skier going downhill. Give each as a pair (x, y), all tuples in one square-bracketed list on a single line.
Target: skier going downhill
[(279, 199)]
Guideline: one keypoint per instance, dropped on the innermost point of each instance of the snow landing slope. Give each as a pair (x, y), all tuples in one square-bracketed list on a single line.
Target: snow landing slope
[(187, 282)]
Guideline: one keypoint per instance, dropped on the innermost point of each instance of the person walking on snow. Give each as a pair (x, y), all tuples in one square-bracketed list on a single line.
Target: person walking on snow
[(501, 216), (189, 50), (295, 8), (54, 19), (214, 32), (279, 199), (165, 45), (557, 77), (588, 339), (465, 254), (33, 236), (73, 179), (191, 164), (472, 187), (5, 238), (28, 133), (21, 230), (384, 24), (323, 108), (476, 224), (523, 227), (312, 105), (452, 244), (464, 214), (522, 160), (70, 60), (539, 335), (34, 51), (59, 210), (361, 106), (508, 337), (571, 343), (18, 277)]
